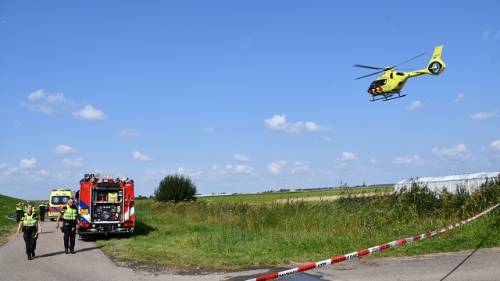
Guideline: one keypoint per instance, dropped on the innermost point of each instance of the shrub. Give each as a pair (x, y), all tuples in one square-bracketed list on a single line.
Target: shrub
[(175, 188), (419, 199)]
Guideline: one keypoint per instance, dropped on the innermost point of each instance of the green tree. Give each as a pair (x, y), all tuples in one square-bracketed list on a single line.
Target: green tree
[(175, 188)]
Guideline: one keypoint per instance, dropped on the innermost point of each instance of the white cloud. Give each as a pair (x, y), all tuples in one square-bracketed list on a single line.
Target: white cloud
[(299, 167), (240, 157), (490, 34), (414, 106), (213, 173), (327, 139), (275, 168), (348, 156), (458, 151), (216, 171), (157, 175), (484, 115), (64, 149), (209, 130), (57, 97), (11, 171), (88, 112), (459, 98), (138, 156), (36, 95), (180, 170), (72, 162), (26, 163), (42, 172), (373, 161), (40, 101), (27, 172), (128, 133), (279, 123), (243, 169), (405, 161), (495, 145), (285, 167), (54, 103)]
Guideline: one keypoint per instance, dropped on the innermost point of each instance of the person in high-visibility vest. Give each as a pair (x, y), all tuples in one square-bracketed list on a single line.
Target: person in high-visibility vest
[(31, 228), (19, 211), (70, 217), (42, 209)]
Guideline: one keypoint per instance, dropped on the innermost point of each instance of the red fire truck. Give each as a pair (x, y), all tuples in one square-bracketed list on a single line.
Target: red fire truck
[(105, 205)]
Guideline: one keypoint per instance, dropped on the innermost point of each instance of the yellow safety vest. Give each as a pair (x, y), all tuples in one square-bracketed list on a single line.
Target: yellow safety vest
[(30, 220), (69, 213)]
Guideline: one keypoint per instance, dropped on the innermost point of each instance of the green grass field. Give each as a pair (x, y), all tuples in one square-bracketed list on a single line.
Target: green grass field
[(225, 235), (7, 208)]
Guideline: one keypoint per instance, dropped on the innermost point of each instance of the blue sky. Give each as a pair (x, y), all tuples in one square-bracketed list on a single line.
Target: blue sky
[(242, 96)]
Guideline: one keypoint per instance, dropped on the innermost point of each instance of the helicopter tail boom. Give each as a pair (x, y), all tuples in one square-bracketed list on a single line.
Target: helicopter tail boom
[(435, 67)]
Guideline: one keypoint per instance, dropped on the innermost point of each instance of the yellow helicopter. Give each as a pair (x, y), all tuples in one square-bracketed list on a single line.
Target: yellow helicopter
[(392, 81)]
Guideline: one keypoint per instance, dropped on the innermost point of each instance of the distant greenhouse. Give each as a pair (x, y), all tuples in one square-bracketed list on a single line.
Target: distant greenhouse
[(451, 183)]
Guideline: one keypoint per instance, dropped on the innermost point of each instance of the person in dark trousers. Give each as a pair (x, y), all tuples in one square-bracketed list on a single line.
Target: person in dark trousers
[(42, 209), (31, 228), (69, 216), (19, 211)]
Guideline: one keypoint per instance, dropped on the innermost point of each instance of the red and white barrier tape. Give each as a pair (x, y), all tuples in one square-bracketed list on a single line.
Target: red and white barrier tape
[(367, 251)]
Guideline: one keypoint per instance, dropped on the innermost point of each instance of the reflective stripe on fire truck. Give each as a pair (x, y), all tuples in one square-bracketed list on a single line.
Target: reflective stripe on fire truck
[(129, 213)]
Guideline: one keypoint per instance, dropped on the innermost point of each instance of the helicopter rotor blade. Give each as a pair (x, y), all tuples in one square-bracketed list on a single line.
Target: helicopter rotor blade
[(384, 69), (364, 76), (367, 66), (408, 60)]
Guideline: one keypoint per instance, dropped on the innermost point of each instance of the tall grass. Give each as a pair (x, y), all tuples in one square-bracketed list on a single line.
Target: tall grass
[(7, 216), (419, 200), (224, 235)]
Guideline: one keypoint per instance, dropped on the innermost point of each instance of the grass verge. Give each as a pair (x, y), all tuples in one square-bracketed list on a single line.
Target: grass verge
[(7, 217)]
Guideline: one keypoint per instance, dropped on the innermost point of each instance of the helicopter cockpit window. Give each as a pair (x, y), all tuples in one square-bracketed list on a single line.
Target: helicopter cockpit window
[(380, 82)]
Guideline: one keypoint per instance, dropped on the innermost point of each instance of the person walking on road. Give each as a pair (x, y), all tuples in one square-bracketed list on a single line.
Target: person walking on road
[(69, 216), (24, 206), (42, 209), (31, 228), (19, 211)]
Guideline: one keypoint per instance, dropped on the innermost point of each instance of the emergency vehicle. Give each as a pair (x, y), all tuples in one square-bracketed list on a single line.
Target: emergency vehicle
[(105, 205), (58, 198)]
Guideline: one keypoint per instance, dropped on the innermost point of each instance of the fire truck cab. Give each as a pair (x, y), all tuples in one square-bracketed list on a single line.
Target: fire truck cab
[(105, 205)]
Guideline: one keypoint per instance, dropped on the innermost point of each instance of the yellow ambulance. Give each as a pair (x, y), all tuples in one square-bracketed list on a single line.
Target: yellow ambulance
[(58, 198)]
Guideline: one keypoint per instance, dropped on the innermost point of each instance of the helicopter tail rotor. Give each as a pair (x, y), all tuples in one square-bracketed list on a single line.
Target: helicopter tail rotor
[(436, 64)]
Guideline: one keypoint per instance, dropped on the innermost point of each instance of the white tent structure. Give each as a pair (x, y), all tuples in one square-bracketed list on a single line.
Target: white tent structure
[(469, 181)]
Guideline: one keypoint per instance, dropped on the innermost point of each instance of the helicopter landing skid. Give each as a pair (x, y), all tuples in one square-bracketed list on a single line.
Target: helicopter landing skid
[(388, 97)]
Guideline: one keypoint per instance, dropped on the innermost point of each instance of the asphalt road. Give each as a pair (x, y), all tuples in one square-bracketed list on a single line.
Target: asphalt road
[(89, 263)]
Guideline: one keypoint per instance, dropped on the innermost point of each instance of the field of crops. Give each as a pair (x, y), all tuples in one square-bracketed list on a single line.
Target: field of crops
[(317, 195), (222, 235)]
